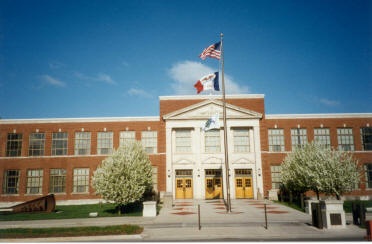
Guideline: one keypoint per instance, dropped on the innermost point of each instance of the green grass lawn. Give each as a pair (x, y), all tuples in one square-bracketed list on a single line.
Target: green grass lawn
[(77, 211), (72, 231)]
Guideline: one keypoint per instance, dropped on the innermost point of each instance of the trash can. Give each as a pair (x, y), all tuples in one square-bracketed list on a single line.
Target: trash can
[(359, 213), (369, 228), (316, 215)]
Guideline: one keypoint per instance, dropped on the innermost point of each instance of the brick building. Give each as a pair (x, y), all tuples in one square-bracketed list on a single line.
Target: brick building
[(42, 156)]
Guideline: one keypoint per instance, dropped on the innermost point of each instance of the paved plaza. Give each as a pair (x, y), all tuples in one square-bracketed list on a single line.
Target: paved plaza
[(246, 222)]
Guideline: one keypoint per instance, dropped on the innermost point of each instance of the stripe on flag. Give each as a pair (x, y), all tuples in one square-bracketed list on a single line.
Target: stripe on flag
[(213, 51)]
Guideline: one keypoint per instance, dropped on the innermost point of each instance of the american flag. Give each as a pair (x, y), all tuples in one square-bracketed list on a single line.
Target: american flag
[(213, 51)]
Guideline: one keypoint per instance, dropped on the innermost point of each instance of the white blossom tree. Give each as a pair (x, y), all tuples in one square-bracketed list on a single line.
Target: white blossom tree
[(320, 169), (124, 176)]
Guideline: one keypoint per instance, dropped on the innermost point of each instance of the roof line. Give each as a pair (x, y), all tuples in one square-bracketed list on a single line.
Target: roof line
[(311, 116), (79, 120), (200, 97)]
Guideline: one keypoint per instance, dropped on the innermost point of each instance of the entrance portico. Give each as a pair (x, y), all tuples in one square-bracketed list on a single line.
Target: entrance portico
[(201, 153)]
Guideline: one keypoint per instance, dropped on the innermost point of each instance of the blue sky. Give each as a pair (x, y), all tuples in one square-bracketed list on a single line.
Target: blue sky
[(96, 58)]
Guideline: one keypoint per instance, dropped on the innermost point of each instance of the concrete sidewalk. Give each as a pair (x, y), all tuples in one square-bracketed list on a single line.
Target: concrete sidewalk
[(246, 222)]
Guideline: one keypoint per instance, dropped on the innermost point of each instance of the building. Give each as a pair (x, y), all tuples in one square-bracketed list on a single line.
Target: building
[(59, 156)]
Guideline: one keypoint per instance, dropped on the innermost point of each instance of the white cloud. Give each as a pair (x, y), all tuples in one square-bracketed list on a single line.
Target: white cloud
[(101, 77), (105, 78), (186, 73), (52, 81), (139, 92), (328, 102)]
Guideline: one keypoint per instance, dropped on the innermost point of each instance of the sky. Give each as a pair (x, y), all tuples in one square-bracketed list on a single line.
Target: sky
[(105, 58)]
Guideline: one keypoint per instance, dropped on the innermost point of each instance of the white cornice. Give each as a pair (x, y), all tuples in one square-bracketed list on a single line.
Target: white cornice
[(201, 97), (79, 120), (319, 116)]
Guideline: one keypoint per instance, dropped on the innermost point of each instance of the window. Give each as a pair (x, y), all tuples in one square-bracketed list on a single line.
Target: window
[(275, 176), (57, 180), (345, 139), (212, 141), (11, 182), (276, 140), (183, 140), (299, 137), (366, 134), (81, 180), (14, 145), (183, 172), (104, 143), (368, 172), (59, 143), (82, 143), (241, 140), (322, 137), (34, 181), (150, 141), (127, 136), (36, 144)]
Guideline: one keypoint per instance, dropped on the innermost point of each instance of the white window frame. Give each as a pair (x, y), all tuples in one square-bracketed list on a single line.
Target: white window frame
[(34, 181), (298, 137), (81, 180), (275, 176), (212, 140), (126, 136), (11, 182), (36, 144), (183, 140), (82, 143), (322, 137), (241, 140), (59, 143), (276, 140), (105, 143), (149, 141), (345, 139), (57, 181)]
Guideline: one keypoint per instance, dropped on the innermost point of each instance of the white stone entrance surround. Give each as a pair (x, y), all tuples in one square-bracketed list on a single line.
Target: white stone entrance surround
[(198, 161)]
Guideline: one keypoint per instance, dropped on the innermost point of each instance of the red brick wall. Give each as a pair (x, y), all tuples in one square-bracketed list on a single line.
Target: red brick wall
[(271, 158), (255, 104), (70, 161)]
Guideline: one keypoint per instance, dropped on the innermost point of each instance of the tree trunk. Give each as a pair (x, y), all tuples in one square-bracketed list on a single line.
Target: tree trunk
[(302, 201)]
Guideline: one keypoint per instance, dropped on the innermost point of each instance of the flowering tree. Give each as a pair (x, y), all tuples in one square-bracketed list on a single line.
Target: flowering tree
[(323, 170), (124, 176)]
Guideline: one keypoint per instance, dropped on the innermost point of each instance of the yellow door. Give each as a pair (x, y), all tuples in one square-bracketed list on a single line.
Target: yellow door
[(213, 188), (183, 188), (243, 187), (248, 188), (239, 189)]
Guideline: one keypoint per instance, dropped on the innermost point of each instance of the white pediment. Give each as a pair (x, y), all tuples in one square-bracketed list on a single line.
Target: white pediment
[(207, 108)]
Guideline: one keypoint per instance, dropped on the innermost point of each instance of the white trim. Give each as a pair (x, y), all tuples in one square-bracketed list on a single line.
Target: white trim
[(201, 97), (317, 116), (79, 120)]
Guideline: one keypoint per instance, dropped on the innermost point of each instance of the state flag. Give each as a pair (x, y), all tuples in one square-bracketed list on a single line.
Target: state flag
[(208, 82)]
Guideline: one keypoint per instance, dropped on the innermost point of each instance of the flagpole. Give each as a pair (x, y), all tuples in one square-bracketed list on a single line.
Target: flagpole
[(228, 203)]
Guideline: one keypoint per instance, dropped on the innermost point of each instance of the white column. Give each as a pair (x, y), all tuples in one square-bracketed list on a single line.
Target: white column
[(169, 168)]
